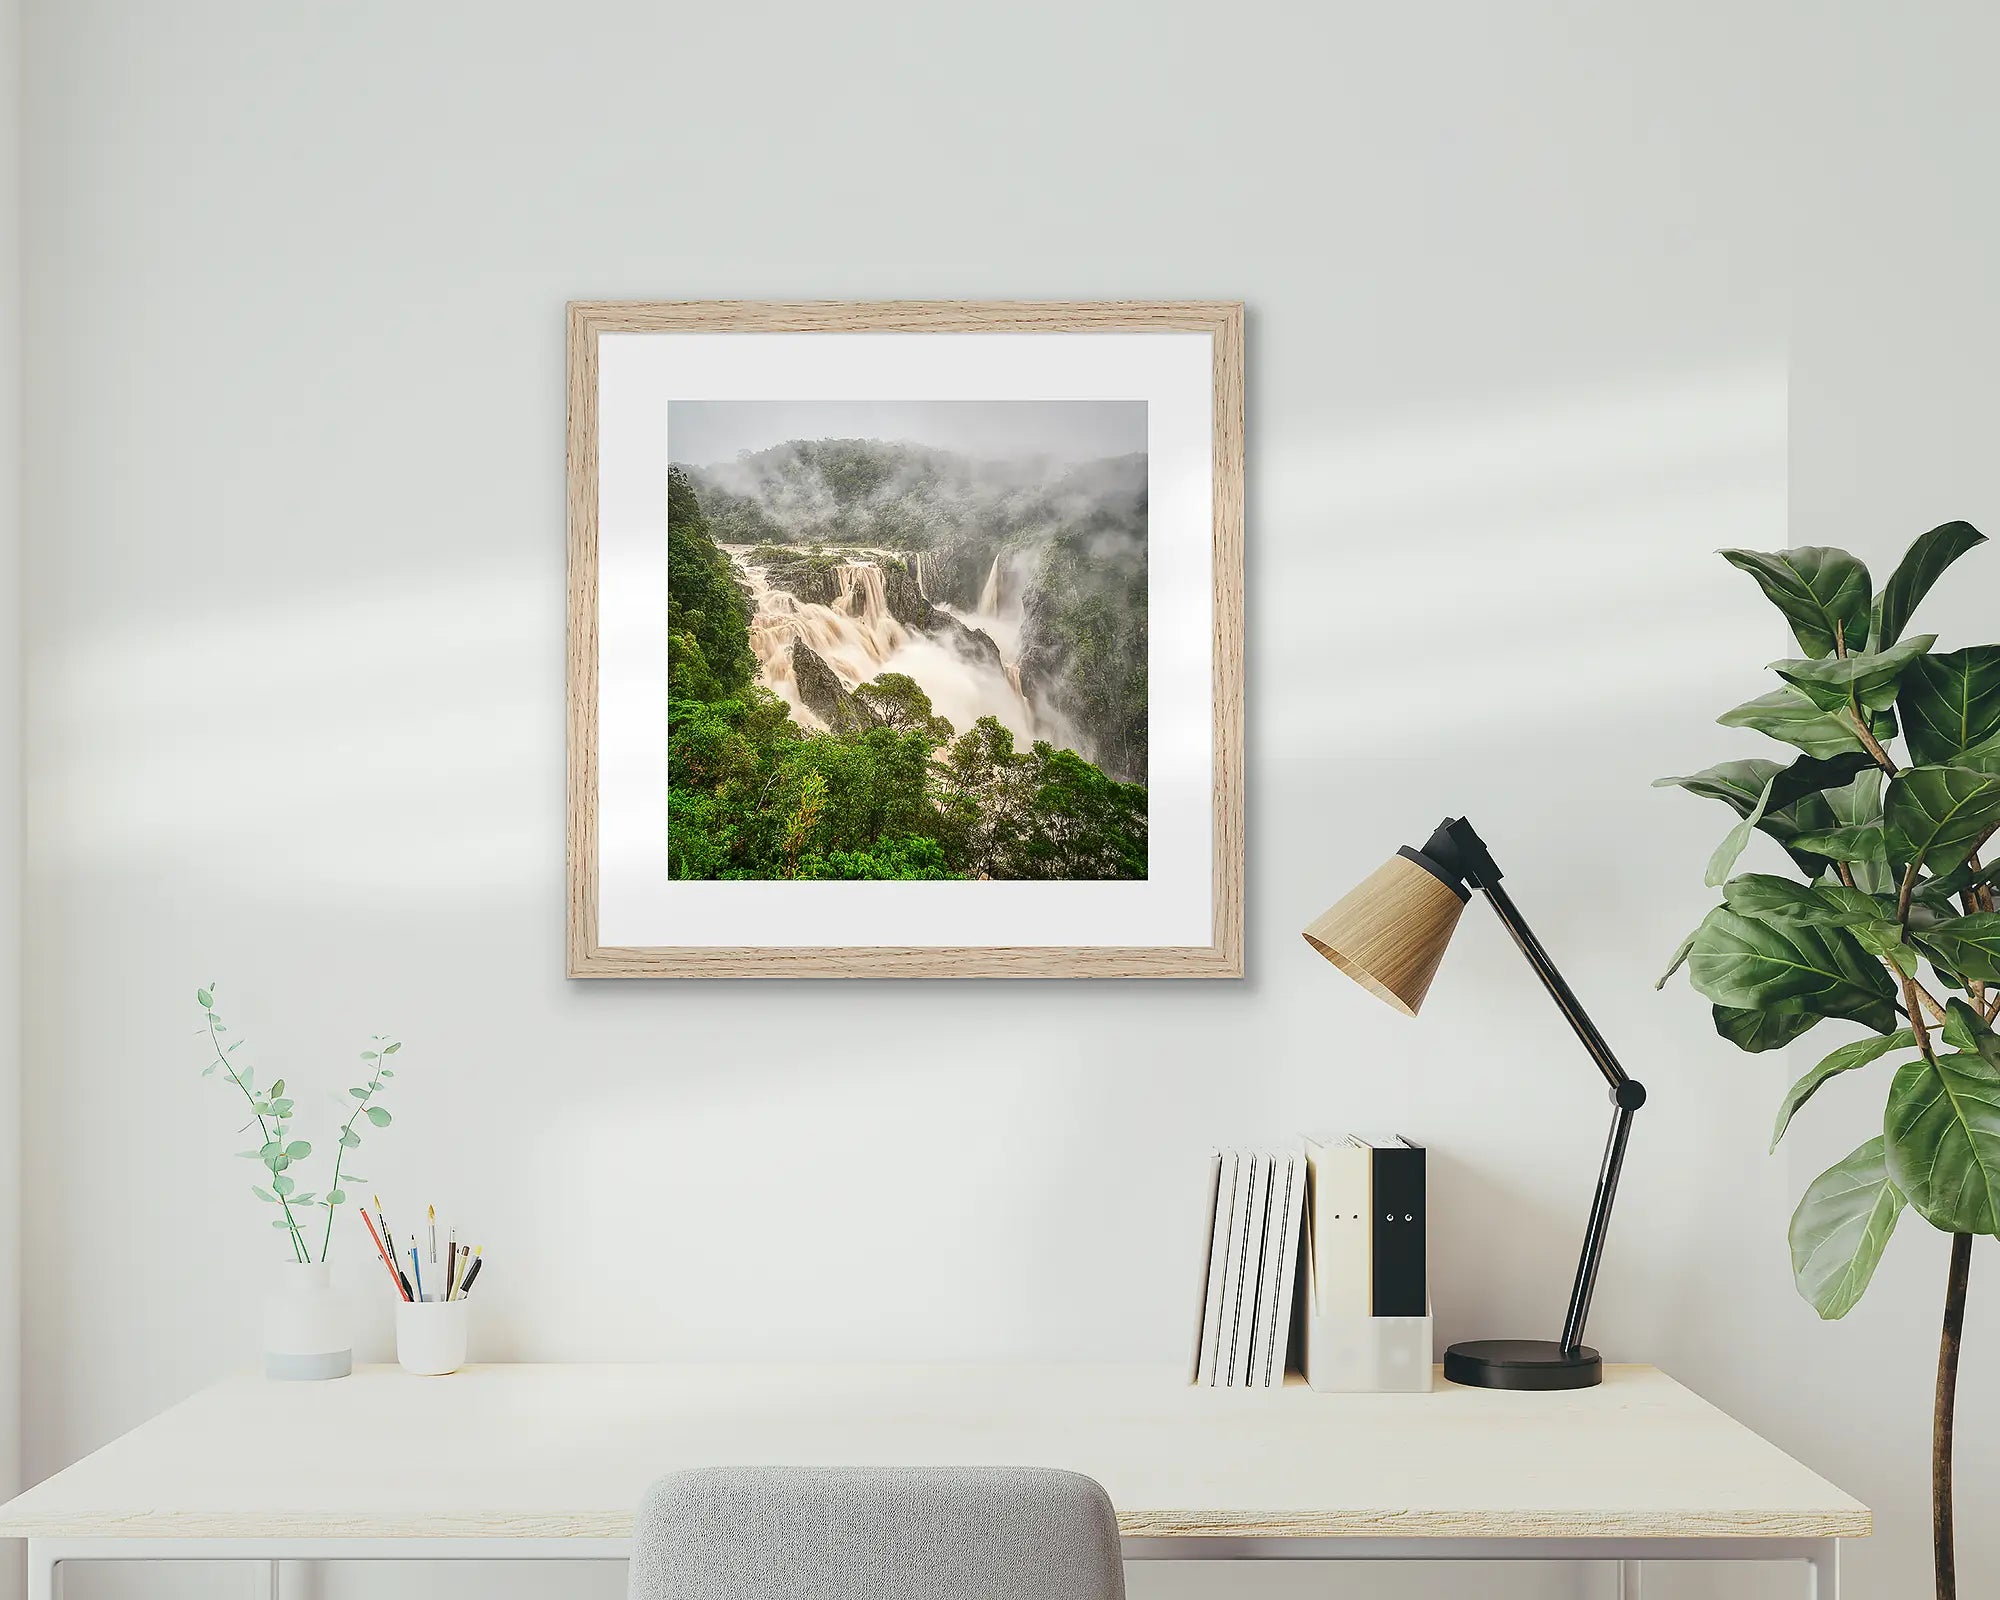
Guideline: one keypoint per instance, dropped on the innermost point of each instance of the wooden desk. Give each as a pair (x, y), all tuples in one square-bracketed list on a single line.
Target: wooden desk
[(549, 1462)]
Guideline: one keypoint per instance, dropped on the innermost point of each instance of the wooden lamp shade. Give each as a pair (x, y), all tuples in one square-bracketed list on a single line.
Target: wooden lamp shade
[(1390, 931)]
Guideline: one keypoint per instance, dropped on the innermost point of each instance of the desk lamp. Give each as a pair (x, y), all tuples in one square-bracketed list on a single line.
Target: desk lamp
[(1388, 935)]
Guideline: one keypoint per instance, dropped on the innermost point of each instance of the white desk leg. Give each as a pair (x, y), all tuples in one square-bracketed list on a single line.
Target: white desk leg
[(44, 1573), (263, 1580), (1628, 1580), (1823, 1571)]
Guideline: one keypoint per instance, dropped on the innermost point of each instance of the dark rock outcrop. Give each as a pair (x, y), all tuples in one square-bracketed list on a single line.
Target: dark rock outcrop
[(824, 695), (810, 580), (905, 600), (975, 644)]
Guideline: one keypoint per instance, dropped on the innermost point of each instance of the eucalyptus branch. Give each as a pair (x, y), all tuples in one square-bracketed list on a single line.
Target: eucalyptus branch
[(299, 1246), (270, 1112), (340, 1153)]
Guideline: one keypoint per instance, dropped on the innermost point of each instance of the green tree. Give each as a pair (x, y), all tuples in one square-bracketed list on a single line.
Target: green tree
[(1890, 882), (703, 598)]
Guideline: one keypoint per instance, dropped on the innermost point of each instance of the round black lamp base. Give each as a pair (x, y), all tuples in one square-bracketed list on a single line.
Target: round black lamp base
[(1522, 1364)]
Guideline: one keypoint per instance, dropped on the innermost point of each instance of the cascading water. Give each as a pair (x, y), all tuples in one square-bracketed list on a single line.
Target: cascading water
[(858, 638)]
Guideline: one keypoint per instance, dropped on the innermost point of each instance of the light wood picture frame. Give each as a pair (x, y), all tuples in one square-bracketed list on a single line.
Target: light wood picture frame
[(633, 362)]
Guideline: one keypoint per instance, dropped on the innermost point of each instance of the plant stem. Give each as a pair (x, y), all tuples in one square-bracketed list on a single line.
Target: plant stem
[(1917, 1020), (1872, 744), (299, 1246), (340, 1154), (1943, 1557)]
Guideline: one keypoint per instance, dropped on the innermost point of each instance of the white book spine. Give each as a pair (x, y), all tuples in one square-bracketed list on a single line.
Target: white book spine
[(1253, 1266), (1235, 1192), (1210, 1263), (1286, 1215), (1342, 1230)]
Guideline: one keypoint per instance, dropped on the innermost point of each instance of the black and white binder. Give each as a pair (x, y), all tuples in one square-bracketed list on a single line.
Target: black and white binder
[(1399, 1286)]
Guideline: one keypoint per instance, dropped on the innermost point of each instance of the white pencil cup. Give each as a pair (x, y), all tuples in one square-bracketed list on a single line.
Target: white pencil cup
[(430, 1335)]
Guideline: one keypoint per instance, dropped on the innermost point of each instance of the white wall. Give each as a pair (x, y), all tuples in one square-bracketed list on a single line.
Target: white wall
[(1517, 280)]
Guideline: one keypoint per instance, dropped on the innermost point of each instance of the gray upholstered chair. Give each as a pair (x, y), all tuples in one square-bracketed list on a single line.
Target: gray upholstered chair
[(861, 1533)]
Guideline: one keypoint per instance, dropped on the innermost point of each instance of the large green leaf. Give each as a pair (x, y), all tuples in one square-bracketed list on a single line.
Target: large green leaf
[(1929, 554), (1723, 861), (1760, 894), (1840, 1229), (1933, 816), (1753, 964), (1942, 1124), (1966, 1029), (1845, 1059), (1788, 715), (1871, 919), (1824, 593), (1832, 682), (1951, 702), (1758, 1031), (1865, 843), (1796, 801), (1982, 757), (1939, 890), (1969, 946), (1858, 804)]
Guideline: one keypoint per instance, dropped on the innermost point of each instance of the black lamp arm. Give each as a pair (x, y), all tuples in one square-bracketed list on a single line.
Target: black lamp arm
[(1463, 851)]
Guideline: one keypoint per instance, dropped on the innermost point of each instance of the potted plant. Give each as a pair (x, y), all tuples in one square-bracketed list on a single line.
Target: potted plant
[(305, 1330), (1890, 921)]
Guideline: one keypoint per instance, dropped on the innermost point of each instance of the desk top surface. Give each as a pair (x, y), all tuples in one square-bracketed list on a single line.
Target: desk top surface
[(547, 1452)]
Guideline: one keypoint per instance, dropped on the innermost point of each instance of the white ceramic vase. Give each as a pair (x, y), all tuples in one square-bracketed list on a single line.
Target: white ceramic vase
[(305, 1325)]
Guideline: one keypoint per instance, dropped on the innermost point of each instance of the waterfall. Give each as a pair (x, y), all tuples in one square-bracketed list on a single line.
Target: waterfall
[(863, 594), (858, 638), (989, 597)]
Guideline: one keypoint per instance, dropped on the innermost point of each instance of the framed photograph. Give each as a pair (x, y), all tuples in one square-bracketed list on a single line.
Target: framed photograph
[(905, 639)]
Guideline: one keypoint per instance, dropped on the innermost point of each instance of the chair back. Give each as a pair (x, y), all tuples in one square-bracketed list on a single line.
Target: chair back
[(867, 1533)]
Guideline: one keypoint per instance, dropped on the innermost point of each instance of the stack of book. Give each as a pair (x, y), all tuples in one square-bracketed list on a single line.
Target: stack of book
[(1352, 1207), (1256, 1209)]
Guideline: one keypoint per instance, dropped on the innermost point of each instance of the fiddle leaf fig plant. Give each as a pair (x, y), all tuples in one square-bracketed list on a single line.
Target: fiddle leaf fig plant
[(1890, 923)]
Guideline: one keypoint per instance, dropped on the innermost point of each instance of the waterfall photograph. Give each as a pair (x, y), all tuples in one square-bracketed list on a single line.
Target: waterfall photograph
[(907, 640)]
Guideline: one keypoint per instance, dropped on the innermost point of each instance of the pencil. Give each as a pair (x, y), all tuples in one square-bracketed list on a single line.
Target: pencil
[(478, 1261), (434, 1235), (395, 1277), (416, 1266), (451, 1265)]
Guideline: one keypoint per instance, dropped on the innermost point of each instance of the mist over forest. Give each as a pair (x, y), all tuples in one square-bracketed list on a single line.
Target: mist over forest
[(1068, 539), (892, 660)]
